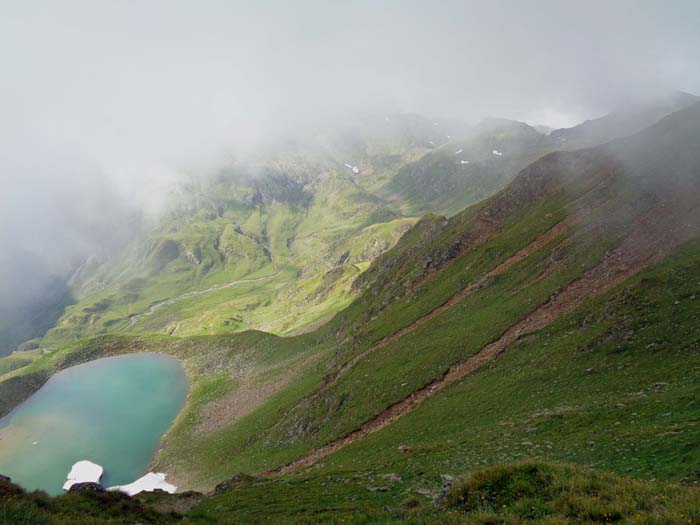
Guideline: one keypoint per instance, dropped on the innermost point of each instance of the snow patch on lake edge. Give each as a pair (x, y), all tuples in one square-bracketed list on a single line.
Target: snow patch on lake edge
[(88, 472), (148, 483), (83, 472)]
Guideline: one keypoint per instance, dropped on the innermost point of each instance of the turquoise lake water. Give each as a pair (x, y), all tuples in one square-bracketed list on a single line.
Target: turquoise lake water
[(111, 411)]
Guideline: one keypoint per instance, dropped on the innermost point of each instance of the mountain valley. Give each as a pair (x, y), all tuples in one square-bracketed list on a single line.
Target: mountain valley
[(495, 326)]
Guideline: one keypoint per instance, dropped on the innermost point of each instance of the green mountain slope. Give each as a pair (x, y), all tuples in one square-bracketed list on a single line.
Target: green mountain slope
[(525, 492), (554, 321), (467, 169), (292, 227), (296, 224), (235, 244), (481, 161)]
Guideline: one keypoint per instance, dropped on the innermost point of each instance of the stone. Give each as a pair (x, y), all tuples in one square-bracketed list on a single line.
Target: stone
[(392, 477), (87, 486)]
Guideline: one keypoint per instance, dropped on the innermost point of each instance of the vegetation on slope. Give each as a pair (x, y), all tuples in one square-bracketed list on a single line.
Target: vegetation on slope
[(216, 366), (467, 169), (588, 389), (262, 218), (580, 383), (534, 492), (221, 264), (293, 215)]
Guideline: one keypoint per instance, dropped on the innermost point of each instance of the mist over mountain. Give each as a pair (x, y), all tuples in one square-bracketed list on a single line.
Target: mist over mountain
[(136, 95), (358, 262), (625, 120), (108, 111)]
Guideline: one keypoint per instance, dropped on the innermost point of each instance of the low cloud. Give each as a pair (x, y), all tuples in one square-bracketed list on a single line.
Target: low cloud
[(105, 105)]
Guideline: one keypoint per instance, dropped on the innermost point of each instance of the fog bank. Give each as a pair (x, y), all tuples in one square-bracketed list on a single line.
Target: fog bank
[(105, 104)]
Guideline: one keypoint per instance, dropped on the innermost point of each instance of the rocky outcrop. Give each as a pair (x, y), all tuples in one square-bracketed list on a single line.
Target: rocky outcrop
[(235, 481), (87, 486)]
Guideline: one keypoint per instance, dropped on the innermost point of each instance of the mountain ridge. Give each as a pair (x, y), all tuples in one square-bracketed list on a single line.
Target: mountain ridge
[(232, 225), (530, 324)]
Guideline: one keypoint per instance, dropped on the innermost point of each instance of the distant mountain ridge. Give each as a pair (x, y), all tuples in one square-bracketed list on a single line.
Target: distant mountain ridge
[(303, 221), (554, 321), (622, 122)]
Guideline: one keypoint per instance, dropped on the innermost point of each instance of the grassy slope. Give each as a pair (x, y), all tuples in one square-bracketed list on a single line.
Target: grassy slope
[(267, 216), (438, 182), (214, 365), (533, 492), (588, 388), (293, 219), (292, 238), (388, 375), (293, 421)]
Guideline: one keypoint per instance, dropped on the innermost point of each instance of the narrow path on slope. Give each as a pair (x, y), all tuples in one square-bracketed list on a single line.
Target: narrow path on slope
[(523, 253), (647, 244), (195, 293)]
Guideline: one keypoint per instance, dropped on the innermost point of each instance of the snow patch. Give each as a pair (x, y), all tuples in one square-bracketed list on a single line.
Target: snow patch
[(83, 472), (497, 153), (147, 483), (354, 169), (464, 162)]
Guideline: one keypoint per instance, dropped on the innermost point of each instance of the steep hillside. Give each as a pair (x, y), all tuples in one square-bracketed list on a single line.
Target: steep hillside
[(555, 320), (293, 225), (273, 242), (467, 169), (289, 227), (570, 228), (530, 326), (623, 122), (472, 164), (232, 246), (523, 492)]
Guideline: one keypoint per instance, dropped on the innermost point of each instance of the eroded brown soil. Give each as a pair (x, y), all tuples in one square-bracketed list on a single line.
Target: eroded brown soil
[(649, 240), (525, 252)]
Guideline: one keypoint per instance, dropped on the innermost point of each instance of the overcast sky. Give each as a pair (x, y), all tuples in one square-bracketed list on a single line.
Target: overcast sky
[(100, 99)]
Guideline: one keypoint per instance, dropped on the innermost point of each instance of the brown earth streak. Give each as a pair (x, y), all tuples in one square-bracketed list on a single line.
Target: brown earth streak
[(651, 238), (523, 253), (252, 392), (224, 411)]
